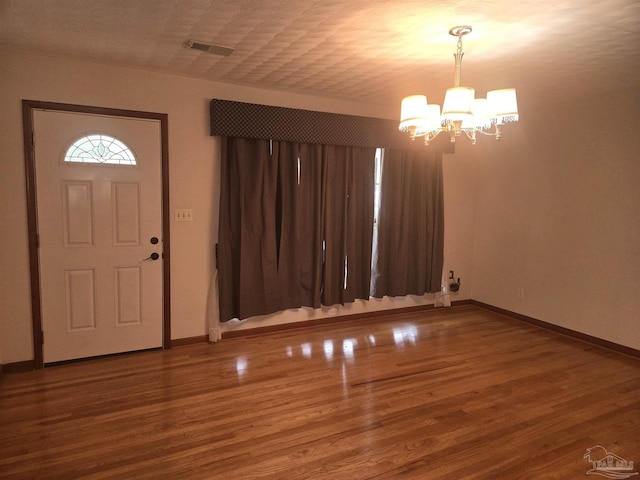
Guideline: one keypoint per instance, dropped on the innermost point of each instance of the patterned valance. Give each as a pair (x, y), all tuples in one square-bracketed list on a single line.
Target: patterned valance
[(250, 120)]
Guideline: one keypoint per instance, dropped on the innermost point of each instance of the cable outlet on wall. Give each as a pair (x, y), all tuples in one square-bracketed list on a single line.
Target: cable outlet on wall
[(454, 285), (184, 215)]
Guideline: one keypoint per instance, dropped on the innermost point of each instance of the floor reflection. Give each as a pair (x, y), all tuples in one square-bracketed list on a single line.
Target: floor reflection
[(345, 350), (348, 347), (328, 350), (405, 334), (241, 366), (402, 336)]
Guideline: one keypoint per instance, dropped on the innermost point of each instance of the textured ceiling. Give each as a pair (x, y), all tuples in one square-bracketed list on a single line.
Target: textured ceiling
[(371, 51)]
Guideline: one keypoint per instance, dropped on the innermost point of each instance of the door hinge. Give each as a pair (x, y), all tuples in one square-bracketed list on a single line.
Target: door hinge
[(37, 240), (42, 337), (33, 138)]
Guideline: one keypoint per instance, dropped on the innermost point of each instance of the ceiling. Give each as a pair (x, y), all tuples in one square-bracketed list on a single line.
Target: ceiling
[(372, 51)]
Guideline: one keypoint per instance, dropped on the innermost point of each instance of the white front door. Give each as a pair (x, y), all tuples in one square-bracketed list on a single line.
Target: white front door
[(98, 225)]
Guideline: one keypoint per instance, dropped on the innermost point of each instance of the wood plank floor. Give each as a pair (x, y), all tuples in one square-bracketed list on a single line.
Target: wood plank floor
[(460, 393)]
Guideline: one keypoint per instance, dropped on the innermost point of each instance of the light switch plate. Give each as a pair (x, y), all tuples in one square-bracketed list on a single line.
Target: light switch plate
[(184, 215)]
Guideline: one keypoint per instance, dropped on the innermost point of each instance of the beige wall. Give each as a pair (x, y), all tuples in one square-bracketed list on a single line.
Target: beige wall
[(193, 183), (558, 216)]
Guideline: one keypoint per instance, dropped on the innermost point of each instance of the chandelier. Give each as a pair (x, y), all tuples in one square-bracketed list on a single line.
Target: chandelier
[(461, 111)]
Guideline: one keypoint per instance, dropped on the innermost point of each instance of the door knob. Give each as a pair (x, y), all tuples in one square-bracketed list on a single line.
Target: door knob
[(153, 256)]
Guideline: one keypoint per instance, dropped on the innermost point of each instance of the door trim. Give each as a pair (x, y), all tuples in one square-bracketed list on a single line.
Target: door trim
[(28, 106)]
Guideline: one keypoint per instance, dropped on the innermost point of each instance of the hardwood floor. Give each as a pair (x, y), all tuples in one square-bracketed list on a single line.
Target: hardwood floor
[(461, 393)]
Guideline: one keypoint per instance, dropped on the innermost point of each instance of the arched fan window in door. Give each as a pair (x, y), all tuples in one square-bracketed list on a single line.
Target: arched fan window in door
[(99, 148)]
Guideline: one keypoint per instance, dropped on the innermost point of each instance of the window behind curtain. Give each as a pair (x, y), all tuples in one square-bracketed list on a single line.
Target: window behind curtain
[(296, 224), (409, 249), (305, 262)]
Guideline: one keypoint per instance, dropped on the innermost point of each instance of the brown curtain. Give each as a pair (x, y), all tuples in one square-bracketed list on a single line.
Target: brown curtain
[(410, 230), (293, 218), (249, 239), (348, 221)]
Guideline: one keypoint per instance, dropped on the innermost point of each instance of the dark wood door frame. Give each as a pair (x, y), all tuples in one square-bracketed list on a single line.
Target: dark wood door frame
[(28, 106)]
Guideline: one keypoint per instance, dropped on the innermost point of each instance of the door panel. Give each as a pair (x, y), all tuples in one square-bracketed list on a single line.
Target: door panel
[(100, 293), (77, 213), (80, 292), (126, 213)]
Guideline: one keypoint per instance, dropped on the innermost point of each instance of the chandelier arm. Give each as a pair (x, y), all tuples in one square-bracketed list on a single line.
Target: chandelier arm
[(471, 135), (496, 133), (488, 134)]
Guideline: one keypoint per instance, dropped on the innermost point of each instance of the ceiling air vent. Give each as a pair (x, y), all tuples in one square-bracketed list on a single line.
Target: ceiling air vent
[(209, 48)]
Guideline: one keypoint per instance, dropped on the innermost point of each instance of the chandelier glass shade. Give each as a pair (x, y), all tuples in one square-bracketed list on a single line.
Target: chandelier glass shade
[(461, 111)]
